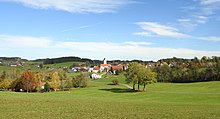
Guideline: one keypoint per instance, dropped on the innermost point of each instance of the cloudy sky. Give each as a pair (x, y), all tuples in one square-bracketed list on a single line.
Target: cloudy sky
[(114, 29)]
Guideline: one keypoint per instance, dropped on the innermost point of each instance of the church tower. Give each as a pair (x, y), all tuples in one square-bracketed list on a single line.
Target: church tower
[(104, 61)]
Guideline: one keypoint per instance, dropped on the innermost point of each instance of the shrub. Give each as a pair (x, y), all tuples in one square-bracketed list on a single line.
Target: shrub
[(80, 81), (115, 81), (5, 85)]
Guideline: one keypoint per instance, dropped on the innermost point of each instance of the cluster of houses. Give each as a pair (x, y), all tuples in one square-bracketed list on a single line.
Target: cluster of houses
[(105, 67), (112, 69)]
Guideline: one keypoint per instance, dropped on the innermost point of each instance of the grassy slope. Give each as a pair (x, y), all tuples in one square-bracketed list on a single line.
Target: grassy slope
[(100, 100), (68, 64)]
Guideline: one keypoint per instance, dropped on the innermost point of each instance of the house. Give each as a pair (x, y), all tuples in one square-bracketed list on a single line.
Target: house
[(150, 64), (173, 64), (96, 76), (117, 68), (96, 69)]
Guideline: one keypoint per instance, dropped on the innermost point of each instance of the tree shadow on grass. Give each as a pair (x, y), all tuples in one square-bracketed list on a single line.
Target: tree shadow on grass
[(120, 90)]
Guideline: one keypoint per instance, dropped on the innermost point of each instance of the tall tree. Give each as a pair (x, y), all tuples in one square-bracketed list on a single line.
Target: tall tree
[(55, 81), (150, 77), (131, 74), (3, 76), (39, 78), (164, 73), (27, 81)]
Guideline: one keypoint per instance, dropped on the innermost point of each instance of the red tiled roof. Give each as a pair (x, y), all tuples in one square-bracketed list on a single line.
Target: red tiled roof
[(96, 68), (117, 67), (105, 65)]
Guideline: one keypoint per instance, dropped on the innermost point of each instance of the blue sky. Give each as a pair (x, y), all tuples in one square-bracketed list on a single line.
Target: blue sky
[(114, 29)]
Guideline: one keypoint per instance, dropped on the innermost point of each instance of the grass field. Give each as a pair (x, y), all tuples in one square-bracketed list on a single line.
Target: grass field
[(65, 64), (101, 100)]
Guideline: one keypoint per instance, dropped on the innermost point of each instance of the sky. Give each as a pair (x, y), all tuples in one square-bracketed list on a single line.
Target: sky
[(111, 29)]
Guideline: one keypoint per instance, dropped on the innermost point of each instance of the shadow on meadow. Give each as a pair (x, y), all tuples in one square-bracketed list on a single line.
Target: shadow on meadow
[(119, 90)]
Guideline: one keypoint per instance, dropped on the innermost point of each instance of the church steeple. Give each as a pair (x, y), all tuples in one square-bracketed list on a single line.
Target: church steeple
[(104, 61)]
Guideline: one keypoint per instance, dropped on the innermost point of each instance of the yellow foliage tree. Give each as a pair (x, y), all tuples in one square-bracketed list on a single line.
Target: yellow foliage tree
[(55, 81)]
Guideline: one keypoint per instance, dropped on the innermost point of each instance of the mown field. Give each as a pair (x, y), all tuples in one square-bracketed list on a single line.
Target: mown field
[(102, 100)]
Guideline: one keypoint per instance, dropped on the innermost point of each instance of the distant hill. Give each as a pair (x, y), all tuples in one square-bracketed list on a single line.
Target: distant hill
[(66, 59), (13, 59), (78, 59)]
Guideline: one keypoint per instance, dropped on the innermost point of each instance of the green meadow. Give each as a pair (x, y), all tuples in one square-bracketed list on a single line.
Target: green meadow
[(103, 100)]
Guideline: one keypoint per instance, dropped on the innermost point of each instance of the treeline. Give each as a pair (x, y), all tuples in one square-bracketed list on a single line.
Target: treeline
[(11, 59), (40, 81), (66, 59), (185, 71), (78, 59)]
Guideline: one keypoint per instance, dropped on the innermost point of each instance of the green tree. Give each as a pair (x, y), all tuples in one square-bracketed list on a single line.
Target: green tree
[(150, 77), (63, 77), (80, 81), (131, 74), (68, 83), (138, 74), (164, 73)]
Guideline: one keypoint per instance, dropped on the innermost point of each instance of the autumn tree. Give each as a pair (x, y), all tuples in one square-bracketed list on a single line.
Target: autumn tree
[(5, 84), (28, 81), (3, 76), (39, 80), (55, 81)]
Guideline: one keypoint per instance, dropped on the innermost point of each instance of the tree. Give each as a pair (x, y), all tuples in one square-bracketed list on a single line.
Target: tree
[(164, 73), (63, 77), (131, 74), (150, 77), (39, 78), (68, 83), (28, 81), (3, 76), (138, 74), (80, 81), (55, 81), (5, 84)]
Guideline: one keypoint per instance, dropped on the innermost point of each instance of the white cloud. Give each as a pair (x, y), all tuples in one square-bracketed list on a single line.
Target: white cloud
[(98, 50), (212, 38), (184, 20), (41, 47), (81, 27), (209, 2), (201, 19), (8, 41), (138, 43), (160, 30), (144, 34), (199, 13), (76, 6)]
